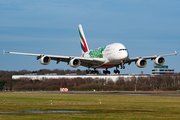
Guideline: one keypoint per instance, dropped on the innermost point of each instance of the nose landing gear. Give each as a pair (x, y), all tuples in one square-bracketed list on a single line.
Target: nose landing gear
[(122, 65)]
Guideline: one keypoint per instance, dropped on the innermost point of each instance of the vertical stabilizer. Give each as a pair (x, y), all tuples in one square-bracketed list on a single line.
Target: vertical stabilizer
[(83, 42)]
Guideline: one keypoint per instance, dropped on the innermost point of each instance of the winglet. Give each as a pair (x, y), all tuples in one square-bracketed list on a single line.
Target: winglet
[(176, 52), (5, 52)]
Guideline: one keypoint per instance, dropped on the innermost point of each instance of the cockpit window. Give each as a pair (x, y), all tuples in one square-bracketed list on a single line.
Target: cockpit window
[(122, 49)]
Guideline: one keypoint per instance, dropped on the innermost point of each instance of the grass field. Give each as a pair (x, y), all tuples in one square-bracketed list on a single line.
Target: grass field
[(111, 107)]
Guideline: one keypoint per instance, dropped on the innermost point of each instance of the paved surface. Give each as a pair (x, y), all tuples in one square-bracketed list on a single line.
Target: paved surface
[(160, 94)]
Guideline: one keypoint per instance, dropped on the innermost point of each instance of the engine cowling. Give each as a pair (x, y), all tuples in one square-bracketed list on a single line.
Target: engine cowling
[(45, 60), (159, 61), (74, 62), (141, 63)]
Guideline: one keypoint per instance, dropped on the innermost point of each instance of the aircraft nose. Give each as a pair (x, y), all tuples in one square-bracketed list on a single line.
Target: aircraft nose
[(125, 55)]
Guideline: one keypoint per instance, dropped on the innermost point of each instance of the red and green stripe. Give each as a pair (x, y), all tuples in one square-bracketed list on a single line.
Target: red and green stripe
[(84, 46)]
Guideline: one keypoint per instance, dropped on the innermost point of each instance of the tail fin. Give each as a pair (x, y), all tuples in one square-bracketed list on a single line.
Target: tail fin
[(83, 42)]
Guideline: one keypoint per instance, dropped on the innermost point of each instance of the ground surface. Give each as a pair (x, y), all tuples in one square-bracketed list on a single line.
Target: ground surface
[(130, 93), (90, 105)]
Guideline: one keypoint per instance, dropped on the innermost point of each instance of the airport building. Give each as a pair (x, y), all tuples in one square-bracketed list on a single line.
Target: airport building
[(162, 70), (113, 77)]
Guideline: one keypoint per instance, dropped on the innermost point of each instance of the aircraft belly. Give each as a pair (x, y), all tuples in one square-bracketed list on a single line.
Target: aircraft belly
[(107, 66)]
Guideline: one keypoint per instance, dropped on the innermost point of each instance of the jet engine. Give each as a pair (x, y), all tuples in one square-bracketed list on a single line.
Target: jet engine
[(74, 62), (141, 63), (159, 61), (45, 60)]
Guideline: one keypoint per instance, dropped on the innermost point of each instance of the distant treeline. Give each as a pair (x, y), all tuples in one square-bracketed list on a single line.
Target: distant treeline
[(159, 82)]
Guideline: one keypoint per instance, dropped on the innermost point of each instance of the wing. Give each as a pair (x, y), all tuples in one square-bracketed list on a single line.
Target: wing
[(86, 62), (132, 59)]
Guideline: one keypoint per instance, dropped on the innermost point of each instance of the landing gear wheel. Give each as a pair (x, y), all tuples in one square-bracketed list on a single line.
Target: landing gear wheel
[(92, 72), (96, 72), (116, 71), (106, 72), (88, 71)]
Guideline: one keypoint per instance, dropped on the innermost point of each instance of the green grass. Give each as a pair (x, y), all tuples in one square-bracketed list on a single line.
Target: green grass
[(111, 107)]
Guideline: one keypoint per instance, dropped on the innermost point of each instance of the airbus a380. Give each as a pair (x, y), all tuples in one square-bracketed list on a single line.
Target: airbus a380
[(113, 55)]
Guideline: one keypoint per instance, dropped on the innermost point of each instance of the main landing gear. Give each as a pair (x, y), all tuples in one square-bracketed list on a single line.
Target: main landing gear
[(92, 71), (116, 70), (106, 71)]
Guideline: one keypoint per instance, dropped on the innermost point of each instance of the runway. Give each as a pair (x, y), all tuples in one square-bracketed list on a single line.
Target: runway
[(128, 93)]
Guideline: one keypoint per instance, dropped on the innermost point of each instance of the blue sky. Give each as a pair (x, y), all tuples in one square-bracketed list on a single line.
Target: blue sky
[(51, 27)]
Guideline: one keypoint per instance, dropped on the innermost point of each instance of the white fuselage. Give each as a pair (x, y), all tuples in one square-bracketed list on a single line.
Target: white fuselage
[(114, 54)]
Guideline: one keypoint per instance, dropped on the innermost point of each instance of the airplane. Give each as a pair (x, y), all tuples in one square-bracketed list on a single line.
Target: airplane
[(112, 55)]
